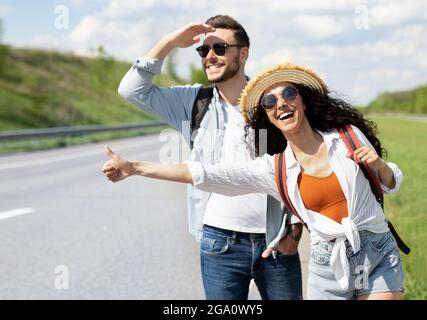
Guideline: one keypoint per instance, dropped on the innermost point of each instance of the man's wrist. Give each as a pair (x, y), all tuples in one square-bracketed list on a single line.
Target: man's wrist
[(162, 48)]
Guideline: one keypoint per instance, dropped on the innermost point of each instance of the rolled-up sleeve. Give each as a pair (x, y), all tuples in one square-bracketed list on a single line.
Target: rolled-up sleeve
[(196, 170), (398, 178), (139, 78), (397, 173), (171, 104), (235, 179)]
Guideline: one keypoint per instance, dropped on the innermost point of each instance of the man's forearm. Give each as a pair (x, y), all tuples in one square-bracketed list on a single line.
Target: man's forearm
[(161, 49)]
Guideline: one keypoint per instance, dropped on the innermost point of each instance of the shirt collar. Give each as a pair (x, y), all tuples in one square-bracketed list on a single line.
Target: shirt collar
[(330, 137)]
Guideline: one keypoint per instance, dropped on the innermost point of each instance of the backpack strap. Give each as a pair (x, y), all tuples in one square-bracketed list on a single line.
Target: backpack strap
[(352, 142), (200, 107), (280, 173)]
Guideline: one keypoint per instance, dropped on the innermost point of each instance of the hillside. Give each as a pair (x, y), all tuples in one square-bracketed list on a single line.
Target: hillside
[(410, 101), (40, 89)]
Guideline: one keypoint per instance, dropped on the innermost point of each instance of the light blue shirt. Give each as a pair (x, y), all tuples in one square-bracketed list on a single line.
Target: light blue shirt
[(174, 105)]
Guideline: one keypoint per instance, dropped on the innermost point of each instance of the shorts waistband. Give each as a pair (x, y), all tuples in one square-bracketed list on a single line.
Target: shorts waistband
[(363, 234)]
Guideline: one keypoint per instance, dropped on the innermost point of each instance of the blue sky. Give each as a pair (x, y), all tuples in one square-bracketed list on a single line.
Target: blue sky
[(361, 48)]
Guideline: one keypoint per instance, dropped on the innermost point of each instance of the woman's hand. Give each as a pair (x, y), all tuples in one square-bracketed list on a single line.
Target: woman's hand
[(369, 156), (117, 168)]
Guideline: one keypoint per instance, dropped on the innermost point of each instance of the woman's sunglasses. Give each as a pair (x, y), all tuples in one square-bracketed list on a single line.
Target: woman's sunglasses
[(289, 94), (218, 48)]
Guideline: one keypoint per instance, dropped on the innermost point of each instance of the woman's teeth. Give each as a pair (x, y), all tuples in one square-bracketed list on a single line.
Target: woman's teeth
[(286, 115)]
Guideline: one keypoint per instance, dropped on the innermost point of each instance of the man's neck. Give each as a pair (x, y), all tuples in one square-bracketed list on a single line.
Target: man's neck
[(230, 90)]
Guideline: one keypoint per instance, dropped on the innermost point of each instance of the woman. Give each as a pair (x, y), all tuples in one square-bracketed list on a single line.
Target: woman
[(353, 253)]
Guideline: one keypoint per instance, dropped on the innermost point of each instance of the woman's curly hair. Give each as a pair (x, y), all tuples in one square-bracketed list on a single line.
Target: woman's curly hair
[(323, 112)]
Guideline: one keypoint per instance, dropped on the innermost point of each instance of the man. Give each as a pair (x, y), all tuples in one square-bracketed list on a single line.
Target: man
[(233, 230)]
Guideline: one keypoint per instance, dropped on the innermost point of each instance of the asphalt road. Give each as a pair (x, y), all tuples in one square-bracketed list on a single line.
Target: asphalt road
[(68, 233)]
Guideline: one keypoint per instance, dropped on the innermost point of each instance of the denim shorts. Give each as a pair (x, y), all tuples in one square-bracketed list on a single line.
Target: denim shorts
[(377, 267)]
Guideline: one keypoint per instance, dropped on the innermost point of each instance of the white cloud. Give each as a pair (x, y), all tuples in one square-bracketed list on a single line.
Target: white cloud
[(361, 70), (89, 28), (49, 42), (320, 34), (266, 8), (317, 26), (4, 9), (132, 8), (395, 12)]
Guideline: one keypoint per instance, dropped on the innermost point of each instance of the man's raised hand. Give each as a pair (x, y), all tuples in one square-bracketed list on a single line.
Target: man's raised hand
[(189, 34)]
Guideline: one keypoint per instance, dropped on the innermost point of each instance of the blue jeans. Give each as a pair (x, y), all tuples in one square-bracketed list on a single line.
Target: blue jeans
[(229, 260)]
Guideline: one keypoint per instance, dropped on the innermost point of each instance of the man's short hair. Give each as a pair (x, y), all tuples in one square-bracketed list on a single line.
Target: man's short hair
[(227, 22)]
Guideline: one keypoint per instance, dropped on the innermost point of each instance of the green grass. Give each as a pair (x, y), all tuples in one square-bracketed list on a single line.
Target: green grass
[(406, 145), (42, 89)]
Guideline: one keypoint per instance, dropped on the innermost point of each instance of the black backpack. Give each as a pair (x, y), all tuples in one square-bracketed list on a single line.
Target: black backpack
[(200, 107)]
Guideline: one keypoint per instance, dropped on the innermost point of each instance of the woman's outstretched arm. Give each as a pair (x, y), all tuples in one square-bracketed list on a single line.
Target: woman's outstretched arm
[(256, 176), (118, 168)]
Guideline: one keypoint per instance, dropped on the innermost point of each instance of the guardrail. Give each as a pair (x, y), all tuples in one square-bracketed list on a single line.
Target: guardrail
[(71, 131)]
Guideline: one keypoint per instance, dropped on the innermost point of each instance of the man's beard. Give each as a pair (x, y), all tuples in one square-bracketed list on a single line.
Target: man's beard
[(229, 72)]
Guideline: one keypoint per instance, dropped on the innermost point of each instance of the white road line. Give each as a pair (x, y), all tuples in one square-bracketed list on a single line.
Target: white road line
[(15, 213), (98, 152)]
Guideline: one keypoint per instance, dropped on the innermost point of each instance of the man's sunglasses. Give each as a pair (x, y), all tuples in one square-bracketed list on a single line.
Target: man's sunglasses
[(218, 48), (289, 94)]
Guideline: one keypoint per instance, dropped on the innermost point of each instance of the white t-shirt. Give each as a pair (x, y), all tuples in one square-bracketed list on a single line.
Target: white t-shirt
[(245, 213)]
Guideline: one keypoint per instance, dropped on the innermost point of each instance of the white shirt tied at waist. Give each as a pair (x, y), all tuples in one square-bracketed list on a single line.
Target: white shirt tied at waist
[(364, 212), (339, 261)]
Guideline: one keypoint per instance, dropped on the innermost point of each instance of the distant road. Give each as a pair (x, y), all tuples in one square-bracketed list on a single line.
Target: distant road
[(60, 217), (407, 116)]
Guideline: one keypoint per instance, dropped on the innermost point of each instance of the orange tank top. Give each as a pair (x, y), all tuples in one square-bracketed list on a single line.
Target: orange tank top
[(323, 195)]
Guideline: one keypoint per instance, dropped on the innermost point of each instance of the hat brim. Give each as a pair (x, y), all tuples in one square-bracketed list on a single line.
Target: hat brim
[(287, 72)]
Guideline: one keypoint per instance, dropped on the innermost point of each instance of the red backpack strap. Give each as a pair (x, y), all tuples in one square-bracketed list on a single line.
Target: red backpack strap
[(352, 142), (280, 173)]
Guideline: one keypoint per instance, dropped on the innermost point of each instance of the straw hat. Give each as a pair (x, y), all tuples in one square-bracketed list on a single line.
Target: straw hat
[(288, 72)]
